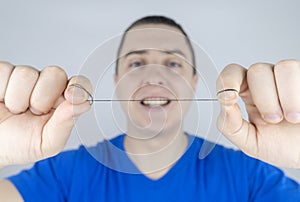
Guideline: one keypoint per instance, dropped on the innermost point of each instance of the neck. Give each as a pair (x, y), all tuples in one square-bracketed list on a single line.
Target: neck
[(156, 155)]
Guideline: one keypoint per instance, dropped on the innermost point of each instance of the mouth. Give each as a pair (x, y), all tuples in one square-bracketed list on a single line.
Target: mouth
[(155, 102)]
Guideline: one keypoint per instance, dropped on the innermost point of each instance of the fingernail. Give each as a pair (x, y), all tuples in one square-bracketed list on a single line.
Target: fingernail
[(274, 118), (36, 112), (76, 94), (227, 95), (293, 117)]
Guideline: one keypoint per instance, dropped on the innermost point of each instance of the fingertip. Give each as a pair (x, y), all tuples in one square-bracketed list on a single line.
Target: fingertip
[(273, 118), (35, 111), (293, 117), (76, 94), (227, 96)]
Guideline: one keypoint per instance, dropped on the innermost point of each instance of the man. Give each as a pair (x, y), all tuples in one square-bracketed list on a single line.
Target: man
[(155, 67)]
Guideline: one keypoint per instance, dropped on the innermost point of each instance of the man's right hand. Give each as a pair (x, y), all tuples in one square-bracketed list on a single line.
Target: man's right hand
[(37, 111)]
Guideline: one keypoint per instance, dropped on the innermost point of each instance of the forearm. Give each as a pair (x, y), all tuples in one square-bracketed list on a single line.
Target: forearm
[(8, 192)]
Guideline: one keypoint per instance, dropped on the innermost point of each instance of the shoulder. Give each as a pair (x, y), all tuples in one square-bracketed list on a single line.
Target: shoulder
[(213, 151), (262, 180), (229, 160), (89, 154), (86, 157)]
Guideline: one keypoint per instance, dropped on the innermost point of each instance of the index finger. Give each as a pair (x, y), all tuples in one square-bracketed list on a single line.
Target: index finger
[(5, 72)]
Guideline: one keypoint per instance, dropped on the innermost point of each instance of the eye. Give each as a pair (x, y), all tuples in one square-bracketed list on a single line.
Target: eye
[(174, 64), (136, 64)]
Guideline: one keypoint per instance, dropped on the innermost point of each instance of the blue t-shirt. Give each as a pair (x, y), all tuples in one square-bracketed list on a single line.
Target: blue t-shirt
[(224, 175)]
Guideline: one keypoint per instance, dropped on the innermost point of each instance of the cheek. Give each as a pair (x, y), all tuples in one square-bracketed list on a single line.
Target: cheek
[(125, 88), (184, 86)]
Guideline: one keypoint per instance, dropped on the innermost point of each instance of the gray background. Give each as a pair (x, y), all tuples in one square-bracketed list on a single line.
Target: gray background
[(41, 33)]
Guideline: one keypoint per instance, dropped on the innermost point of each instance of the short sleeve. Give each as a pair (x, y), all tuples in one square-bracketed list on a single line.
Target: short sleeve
[(47, 180), (269, 183)]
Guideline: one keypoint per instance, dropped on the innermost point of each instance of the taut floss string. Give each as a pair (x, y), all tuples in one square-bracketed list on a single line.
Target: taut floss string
[(92, 100)]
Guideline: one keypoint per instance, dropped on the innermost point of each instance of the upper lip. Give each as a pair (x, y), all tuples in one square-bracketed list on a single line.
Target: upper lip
[(151, 92), (155, 98)]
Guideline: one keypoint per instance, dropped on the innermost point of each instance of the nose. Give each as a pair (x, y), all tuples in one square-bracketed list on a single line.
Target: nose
[(154, 74)]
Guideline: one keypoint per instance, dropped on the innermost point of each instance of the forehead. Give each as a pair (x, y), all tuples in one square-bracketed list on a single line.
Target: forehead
[(155, 37)]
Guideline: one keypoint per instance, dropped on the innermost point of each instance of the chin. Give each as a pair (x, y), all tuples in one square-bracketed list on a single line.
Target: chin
[(148, 129)]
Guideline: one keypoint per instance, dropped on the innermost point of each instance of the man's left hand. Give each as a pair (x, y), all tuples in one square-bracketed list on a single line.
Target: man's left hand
[(271, 94)]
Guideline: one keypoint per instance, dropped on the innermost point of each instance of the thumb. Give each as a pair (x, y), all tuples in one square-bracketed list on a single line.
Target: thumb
[(79, 90), (230, 83), (228, 86), (58, 128)]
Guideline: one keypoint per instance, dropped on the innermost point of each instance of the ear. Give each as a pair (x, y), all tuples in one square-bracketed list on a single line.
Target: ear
[(116, 79), (195, 81)]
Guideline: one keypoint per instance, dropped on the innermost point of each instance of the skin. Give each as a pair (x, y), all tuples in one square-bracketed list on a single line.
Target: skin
[(31, 130), (270, 94), (37, 114), (148, 69)]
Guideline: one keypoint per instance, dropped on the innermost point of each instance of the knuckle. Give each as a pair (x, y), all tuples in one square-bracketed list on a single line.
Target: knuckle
[(56, 72), (228, 68), (26, 72), (4, 63), (5, 68), (232, 76), (231, 66), (289, 63), (79, 79), (5, 72), (259, 68), (231, 69)]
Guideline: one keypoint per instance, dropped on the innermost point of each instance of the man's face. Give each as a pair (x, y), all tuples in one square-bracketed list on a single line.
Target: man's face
[(155, 67)]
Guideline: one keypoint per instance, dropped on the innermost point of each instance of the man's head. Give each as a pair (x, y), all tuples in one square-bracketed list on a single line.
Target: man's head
[(157, 20), (155, 66)]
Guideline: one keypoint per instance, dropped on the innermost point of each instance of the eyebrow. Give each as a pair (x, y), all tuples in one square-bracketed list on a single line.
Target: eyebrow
[(170, 52), (175, 52), (138, 52)]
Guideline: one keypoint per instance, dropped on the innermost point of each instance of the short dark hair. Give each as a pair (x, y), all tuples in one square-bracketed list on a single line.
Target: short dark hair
[(157, 19)]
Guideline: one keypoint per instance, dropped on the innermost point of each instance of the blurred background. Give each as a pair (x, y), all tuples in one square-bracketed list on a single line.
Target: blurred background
[(64, 33)]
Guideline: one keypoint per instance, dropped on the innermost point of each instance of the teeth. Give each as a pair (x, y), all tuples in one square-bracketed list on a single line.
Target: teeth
[(154, 103)]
